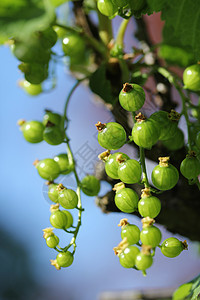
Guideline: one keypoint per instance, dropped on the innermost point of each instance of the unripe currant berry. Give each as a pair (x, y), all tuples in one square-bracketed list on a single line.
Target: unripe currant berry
[(53, 192), (48, 169), (191, 77), (32, 131), (176, 142), (69, 218), (167, 122), (131, 232), (150, 236), (130, 171), (52, 134), (58, 219), (127, 256), (126, 200), (143, 261), (65, 259), (68, 198), (112, 164), (132, 97), (31, 89), (52, 117), (190, 166), (63, 162), (164, 176), (52, 241), (111, 136), (149, 206), (172, 247), (90, 185), (73, 45), (145, 132), (107, 7)]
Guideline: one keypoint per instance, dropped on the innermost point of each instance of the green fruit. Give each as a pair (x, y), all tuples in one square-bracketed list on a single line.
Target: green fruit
[(128, 256), (69, 218), (48, 169), (53, 192), (65, 259), (175, 143), (143, 261), (63, 162), (47, 38), (68, 198), (132, 97), (172, 247), (126, 200), (131, 232), (168, 127), (107, 7), (145, 133), (191, 77), (73, 45), (34, 73), (111, 164), (52, 241), (164, 176), (31, 89), (60, 31), (149, 206), (53, 135), (112, 136), (151, 236), (90, 185), (190, 167), (52, 117), (32, 131), (58, 219), (130, 171)]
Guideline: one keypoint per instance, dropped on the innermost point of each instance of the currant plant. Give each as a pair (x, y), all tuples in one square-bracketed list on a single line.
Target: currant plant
[(121, 78)]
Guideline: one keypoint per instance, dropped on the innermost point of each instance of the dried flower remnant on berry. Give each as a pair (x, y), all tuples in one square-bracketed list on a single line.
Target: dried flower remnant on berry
[(100, 126), (104, 155), (146, 222), (54, 207), (123, 222), (121, 246), (55, 264), (127, 87), (118, 186), (47, 232)]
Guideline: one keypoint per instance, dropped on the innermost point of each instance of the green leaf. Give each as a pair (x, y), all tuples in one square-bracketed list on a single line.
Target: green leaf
[(19, 19), (100, 85), (156, 5), (188, 291), (57, 3)]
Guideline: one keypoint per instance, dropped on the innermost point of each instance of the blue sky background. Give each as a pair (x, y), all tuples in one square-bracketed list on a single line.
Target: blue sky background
[(25, 211)]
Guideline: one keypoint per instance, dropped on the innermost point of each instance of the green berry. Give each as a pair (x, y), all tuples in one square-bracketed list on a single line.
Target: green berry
[(131, 232), (31, 89), (130, 171), (176, 142), (58, 219), (127, 256), (60, 31), (191, 77), (63, 162), (68, 198), (132, 97), (52, 117), (164, 176), (48, 169), (143, 261), (149, 206), (107, 7), (126, 200), (53, 135), (34, 73), (47, 38), (112, 164), (73, 45), (53, 192), (52, 241), (151, 236), (145, 132), (190, 167), (32, 131), (172, 247), (111, 136), (65, 259), (90, 185), (69, 218)]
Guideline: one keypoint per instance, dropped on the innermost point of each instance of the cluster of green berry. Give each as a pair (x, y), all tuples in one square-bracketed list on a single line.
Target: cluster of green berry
[(110, 8), (145, 133), (34, 53), (50, 129)]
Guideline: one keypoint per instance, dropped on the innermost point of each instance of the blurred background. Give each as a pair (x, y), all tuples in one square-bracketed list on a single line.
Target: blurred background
[(25, 269)]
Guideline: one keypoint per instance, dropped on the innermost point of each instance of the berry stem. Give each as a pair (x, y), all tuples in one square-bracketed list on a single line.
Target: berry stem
[(144, 171), (121, 32)]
